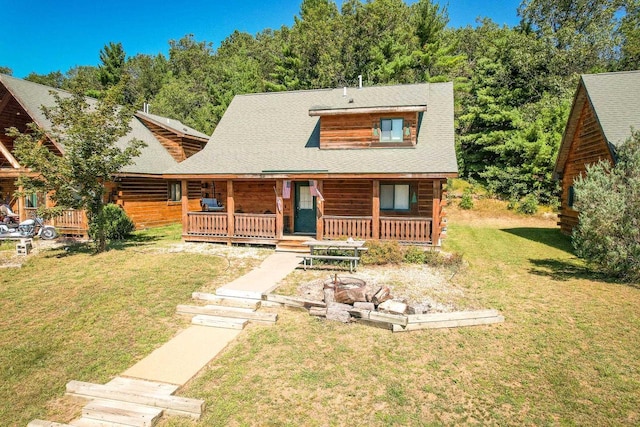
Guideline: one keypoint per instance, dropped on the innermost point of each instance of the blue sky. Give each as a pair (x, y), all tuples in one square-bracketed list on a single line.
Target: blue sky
[(43, 35)]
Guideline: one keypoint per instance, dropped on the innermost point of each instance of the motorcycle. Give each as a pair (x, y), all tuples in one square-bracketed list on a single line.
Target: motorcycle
[(29, 228)]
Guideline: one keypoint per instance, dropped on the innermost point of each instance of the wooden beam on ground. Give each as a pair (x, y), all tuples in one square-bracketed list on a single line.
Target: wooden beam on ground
[(173, 405), (450, 320), (43, 423), (253, 316), (227, 301), (456, 315), (219, 322), (122, 413), (294, 301)]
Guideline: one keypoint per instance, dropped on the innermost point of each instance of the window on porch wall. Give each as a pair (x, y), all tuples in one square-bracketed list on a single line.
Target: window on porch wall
[(394, 197), (175, 192)]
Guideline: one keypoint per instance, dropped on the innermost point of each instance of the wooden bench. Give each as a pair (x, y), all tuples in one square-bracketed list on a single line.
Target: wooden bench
[(353, 260)]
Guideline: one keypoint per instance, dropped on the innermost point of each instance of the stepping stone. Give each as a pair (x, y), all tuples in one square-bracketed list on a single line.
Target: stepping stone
[(227, 301)]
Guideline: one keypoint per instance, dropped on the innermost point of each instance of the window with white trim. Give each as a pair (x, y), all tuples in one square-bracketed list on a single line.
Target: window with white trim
[(391, 130), (394, 197), (175, 191)]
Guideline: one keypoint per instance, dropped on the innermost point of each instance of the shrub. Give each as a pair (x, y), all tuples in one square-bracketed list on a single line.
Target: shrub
[(415, 255), (467, 200), (528, 205), (382, 252), (117, 224), (608, 199)]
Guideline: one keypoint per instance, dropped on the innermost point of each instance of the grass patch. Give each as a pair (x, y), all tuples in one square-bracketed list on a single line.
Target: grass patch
[(69, 314), (566, 355)]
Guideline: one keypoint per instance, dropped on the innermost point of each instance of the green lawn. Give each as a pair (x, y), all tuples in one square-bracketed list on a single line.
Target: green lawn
[(567, 353)]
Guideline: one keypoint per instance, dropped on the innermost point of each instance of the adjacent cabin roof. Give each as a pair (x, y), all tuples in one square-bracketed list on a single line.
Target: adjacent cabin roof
[(172, 125), (154, 159), (278, 133), (615, 101)]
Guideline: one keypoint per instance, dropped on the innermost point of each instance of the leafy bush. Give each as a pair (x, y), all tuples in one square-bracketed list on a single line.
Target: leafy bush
[(434, 258), (528, 205), (608, 199), (117, 225), (467, 200), (383, 252)]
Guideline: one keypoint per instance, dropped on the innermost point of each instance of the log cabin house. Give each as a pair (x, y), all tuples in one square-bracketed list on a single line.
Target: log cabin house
[(148, 198), (366, 163), (606, 107)]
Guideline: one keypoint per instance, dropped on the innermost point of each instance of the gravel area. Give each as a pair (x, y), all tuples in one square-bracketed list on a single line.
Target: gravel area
[(420, 286)]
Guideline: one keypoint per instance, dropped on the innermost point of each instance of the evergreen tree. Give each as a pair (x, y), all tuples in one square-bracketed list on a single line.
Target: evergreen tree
[(112, 58)]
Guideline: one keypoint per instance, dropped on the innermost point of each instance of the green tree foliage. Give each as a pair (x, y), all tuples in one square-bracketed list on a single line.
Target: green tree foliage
[(112, 58), (630, 35), (513, 86), (90, 133), (608, 199), (54, 79), (6, 70)]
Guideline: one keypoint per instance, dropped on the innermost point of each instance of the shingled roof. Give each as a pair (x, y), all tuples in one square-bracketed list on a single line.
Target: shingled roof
[(278, 132), (154, 158), (615, 100)]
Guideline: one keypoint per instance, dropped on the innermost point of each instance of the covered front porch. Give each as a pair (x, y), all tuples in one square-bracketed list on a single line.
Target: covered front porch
[(272, 211)]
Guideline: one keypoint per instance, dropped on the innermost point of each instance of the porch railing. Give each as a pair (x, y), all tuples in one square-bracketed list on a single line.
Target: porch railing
[(255, 225), (405, 229), (358, 227), (207, 224)]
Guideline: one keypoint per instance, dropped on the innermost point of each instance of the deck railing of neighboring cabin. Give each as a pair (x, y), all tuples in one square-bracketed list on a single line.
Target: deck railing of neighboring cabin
[(71, 221)]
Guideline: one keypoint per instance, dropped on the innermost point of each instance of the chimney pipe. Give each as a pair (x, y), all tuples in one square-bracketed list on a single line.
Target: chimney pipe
[(360, 81)]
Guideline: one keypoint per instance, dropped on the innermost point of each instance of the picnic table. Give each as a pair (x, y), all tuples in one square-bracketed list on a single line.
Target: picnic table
[(320, 249)]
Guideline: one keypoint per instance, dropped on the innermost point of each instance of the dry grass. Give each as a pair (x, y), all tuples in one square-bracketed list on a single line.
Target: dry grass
[(70, 315), (567, 353)]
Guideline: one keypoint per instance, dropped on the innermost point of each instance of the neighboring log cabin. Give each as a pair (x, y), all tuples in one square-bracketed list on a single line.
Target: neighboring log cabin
[(366, 163), (606, 108), (148, 198)]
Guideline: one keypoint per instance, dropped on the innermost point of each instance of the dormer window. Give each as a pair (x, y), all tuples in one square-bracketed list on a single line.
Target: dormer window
[(391, 130)]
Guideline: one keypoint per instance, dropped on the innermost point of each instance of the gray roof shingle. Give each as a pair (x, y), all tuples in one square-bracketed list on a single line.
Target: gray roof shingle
[(174, 125), (616, 100), (154, 158), (269, 132)]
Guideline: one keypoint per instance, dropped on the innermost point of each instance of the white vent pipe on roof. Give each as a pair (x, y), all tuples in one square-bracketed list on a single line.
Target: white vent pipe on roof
[(344, 92), (360, 81)]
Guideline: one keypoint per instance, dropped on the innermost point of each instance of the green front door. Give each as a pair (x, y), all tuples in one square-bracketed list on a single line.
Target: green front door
[(305, 215)]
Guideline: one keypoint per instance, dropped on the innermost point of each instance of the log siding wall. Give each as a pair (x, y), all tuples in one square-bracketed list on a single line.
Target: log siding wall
[(146, 202), (588, 146), (357, 130)]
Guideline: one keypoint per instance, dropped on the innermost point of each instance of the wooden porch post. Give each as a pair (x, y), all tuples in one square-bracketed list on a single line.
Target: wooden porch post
[(375, 211), (21, 205), (319, 213), (435, 224), (184, 190), (231, 207), (279, 210)]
